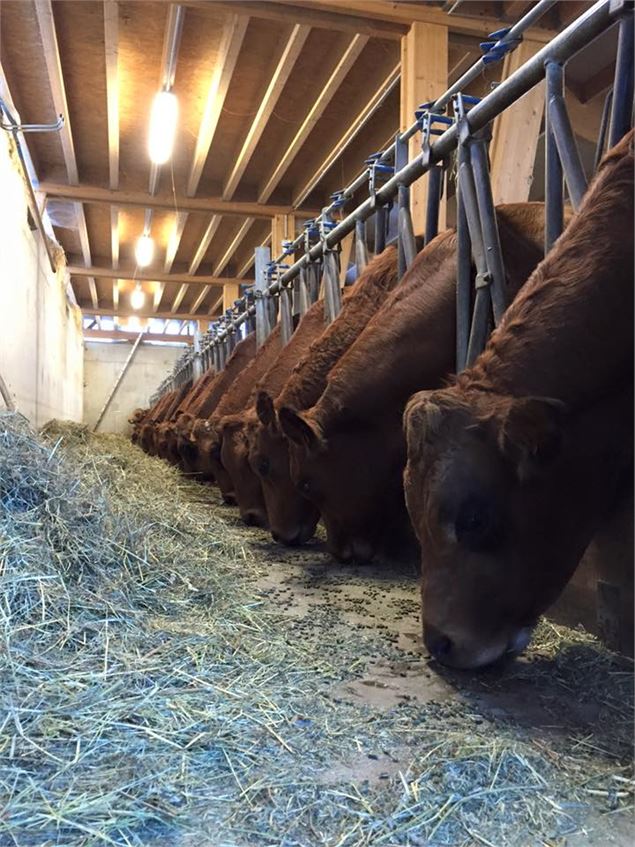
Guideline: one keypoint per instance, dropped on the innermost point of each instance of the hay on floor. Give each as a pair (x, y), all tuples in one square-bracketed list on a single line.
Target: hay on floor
[(150, 696)]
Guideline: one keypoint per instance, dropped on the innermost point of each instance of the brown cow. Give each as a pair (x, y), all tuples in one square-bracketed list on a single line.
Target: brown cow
[(147, 432), (232, 402), (348, 451), (241, 356), (292, 517), (511, 470), (164, 428), (238, 429)]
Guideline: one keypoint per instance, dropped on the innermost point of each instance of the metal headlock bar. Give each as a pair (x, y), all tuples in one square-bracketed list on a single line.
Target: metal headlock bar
[(389, 174)]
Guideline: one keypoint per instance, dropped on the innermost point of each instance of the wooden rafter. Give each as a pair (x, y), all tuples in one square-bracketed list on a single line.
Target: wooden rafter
[(406, 14), (233, 246), (196, 305), (171, 316), (346, 62), (292, 50), (355, 125), (86, 193), (228, 51), (309, 15), (46, 24), (147, 276), (123, 335), (111, 42)]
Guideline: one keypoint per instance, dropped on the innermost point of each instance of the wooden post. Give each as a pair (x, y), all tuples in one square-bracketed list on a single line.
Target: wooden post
[(282, 228), (515, 135), (424, 77), (231, 292)]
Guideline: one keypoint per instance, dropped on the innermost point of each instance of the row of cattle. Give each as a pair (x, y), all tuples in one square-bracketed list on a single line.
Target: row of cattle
[(501, 475)]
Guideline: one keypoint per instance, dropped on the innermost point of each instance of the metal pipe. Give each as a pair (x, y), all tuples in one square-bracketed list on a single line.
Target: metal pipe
[(407, 241), (332, 292), (286, 319), (123, 372), (361, 251), (560, 126), (480, 324), (554, 185), (35, 209), (463, 277), (623, 86), (263, 316), (489, 227), (435, 186), (381, 214), (604, 125)]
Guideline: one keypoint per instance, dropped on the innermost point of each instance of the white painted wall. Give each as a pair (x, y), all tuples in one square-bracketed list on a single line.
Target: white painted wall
[(103, 362), (41, 357)]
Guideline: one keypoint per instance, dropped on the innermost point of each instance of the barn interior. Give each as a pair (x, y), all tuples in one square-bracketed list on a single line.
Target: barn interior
[(171, 675)]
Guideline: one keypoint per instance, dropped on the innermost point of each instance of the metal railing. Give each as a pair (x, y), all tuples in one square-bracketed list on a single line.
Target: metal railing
[(464, 132)]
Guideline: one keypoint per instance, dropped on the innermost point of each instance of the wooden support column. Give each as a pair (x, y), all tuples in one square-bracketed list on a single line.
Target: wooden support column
[(231, 292), (424, 77), (515, 135), (345, 255), (203, 326), (282, 229)]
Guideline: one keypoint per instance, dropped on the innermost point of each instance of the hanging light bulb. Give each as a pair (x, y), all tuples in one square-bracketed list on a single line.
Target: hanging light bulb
[(138, 297), (163, 117), (144, 250)]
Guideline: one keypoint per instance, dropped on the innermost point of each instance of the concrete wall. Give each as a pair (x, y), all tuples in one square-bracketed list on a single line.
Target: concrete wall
[(103, 363), (41, 357)]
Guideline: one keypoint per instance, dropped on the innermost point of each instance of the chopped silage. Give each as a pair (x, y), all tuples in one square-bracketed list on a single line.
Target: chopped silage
[(150, 695)]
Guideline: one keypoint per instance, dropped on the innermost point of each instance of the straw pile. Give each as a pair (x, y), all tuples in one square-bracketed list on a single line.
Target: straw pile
[(150, 696)]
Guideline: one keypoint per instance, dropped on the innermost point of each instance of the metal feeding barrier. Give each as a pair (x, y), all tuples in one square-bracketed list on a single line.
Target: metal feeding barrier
[(455, 125)]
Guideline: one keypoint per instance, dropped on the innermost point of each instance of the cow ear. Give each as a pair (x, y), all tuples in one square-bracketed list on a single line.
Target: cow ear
[(423, 420), (299, 430), (264, 408), (531, 435)]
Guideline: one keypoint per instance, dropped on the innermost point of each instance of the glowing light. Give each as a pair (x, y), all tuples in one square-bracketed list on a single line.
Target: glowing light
[(137, 299), (163, 119), (144, 250)]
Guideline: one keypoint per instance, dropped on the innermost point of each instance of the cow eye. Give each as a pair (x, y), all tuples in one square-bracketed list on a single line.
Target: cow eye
[(477, 525), (263, 466), (305, 486)]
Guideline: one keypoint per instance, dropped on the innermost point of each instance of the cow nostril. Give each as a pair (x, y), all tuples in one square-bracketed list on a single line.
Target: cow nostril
[(276, 537), (440, 646)]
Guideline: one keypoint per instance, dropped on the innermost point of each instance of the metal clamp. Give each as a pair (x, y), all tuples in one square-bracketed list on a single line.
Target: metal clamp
[(497, 48)]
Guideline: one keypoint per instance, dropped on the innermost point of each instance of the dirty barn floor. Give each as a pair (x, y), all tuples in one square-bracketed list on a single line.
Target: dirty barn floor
[(191, 683)]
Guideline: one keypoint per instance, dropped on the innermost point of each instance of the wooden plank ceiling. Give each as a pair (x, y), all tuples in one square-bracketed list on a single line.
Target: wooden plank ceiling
[(276, 111)]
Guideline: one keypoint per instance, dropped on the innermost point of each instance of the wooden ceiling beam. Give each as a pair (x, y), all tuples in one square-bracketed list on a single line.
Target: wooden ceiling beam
[(281, 74), (196, 305), (346, 62), (406, 14), (228, 51), (50, 46), (149, 276), (308, 15), (180, 294), (124, 335), (86, 193), (111, 44), (355, 125), (142, 313), (233, 246), (204, 243)]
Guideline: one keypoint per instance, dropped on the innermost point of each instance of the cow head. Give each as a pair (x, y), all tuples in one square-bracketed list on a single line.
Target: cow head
[(234, 457), (147, 438), (185, 447), (498, 490), (351, 472), (292, 517), (208, 442)]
